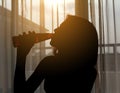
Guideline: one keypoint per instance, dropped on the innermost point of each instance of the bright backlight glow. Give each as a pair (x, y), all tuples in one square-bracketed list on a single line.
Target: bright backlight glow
[(54, 2)]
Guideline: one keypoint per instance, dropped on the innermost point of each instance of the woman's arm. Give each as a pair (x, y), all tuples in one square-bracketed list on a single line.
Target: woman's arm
[(19, 78), (35, 79), (20, 83), (22, 51)]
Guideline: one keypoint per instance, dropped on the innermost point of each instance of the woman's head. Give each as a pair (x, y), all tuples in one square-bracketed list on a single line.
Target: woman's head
[(75, 35)]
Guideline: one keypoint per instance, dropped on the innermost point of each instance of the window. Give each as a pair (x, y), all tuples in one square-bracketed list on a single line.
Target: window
[(45, 13)]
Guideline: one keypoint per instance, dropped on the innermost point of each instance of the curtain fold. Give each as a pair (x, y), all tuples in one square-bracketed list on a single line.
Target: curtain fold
[(106, 15), (5, 50)]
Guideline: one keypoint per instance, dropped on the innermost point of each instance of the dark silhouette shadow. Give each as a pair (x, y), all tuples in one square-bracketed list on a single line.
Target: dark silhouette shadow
[(71, 69)]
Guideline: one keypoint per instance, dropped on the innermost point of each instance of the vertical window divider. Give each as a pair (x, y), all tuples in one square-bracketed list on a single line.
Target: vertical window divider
[(42, 24), (30, 10), (57, 14), (115, 47), (52, 17), (64, 9)]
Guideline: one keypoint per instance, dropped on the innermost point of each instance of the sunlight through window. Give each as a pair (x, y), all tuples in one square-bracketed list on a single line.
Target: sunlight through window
[(46, 13), (55, 13), (6, 4), (53, 2)]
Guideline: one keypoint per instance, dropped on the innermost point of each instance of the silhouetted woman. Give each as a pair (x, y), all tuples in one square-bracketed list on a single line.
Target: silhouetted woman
[(71, 69)]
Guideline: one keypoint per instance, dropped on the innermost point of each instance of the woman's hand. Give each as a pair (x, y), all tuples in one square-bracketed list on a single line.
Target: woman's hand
[(26, 43)]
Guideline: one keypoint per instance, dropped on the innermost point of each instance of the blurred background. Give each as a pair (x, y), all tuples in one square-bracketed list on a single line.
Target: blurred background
[(43, 16)]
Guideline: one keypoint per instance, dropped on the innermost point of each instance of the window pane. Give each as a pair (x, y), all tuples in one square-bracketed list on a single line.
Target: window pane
[(55, 13)]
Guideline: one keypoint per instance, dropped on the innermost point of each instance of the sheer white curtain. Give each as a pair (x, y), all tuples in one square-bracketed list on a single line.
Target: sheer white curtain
[(18, 16), (105, 16), (6, 54), (13, 21)]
